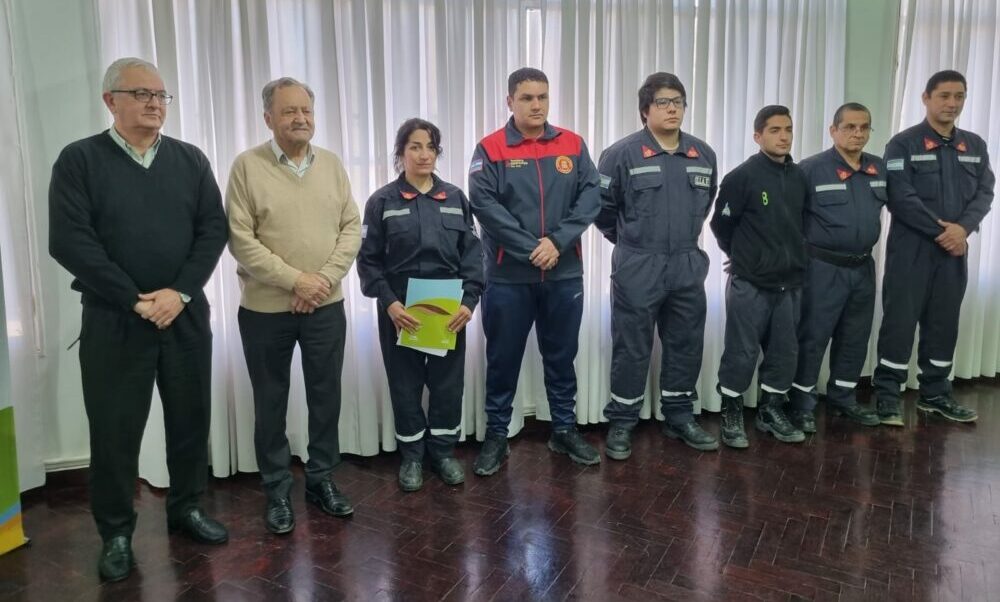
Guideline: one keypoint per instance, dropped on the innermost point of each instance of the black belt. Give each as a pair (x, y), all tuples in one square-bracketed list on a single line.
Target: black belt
[(844, 260)]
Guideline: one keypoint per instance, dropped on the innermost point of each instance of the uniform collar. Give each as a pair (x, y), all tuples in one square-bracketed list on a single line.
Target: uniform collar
[(408, 192), (777, 166), (845, 170), (932, 139), (515, 137), (651, 147)]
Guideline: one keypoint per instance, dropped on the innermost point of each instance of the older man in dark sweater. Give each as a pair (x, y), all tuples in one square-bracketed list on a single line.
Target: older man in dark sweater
[(137, 218)]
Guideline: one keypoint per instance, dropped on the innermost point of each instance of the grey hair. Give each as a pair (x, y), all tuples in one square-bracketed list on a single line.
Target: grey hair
[(267, 94), (114, 73)]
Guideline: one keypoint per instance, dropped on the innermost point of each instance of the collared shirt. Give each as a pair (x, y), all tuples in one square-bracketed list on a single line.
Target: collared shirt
[(282, 158), (145, 160)]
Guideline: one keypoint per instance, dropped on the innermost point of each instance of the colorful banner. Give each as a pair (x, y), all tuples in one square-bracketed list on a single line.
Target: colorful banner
[(11, 532)]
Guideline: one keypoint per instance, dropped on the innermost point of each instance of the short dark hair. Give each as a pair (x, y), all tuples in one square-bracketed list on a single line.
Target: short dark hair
[(524, 74), (941, 77), (403, 136), (647, 92), (838, 115), (768, 112)]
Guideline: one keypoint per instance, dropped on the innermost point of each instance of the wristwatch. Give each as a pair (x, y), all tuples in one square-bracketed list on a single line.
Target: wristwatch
[(184, 298)]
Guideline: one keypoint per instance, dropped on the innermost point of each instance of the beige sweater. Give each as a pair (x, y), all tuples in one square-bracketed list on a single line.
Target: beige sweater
[(281, 225)]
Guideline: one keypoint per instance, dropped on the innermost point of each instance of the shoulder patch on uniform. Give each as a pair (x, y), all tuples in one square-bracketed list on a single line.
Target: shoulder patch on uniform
[(928, 157), (894, 165), (726, 211), (605, 181), (645, 169), (830, 187), (364, 231), (968, 159), (698, 169), (476, 165)]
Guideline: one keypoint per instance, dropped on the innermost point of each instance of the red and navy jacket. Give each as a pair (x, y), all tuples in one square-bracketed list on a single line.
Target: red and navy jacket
[(524, 189), (932, 178)]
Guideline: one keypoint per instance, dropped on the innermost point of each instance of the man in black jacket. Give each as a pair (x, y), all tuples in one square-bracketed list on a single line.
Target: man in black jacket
[(137, 218), (758, 224)]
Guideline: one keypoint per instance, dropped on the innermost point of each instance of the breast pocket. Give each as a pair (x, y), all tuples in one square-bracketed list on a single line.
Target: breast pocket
[(969, 177), (401, 229), (831, 205), (452, 227), (927, 179), (646, 194)]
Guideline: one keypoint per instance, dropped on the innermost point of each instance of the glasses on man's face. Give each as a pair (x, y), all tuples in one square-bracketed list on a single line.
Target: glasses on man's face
[(663, 102), (856, 129), (143, 95)]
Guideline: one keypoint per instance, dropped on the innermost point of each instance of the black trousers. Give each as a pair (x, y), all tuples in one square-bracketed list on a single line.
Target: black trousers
[(121, 356), (922, 285), (758, 319), (268, 343), (408, 371), (837, 303)]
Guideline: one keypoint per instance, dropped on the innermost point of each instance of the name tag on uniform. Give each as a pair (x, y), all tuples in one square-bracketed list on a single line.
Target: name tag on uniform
[(965, 159), (451, 210), (395, 213), (877, 183), (646, 169), (698, 169), (916, 158), (605, 181), (830, 187), (701, 181)]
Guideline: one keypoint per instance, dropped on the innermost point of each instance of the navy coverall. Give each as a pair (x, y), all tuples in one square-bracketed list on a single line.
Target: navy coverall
[(408, 234), (758, 224), (841, 225), (521, 190), (929, 178), (653, 207)]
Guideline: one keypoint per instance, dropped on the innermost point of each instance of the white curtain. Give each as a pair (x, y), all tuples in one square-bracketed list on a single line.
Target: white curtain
[(963, 35), (20, 267), (374, 63)]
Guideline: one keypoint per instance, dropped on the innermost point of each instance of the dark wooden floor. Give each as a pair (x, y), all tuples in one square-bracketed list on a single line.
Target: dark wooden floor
[(855, 513)]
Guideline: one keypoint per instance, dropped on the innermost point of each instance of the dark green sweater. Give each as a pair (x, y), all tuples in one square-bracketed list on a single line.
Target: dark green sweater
[(121, 229)]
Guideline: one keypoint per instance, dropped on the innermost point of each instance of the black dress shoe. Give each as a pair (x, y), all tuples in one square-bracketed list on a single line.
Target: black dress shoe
[(198, 526), (691, 434), (116, 559), (279, 517), (329, 499), (858, 414)]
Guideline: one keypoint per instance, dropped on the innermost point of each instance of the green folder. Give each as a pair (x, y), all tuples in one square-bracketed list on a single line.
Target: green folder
[(434, 303)]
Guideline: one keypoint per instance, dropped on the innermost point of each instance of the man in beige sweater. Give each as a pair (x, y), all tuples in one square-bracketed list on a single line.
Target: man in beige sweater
[(294, 231)]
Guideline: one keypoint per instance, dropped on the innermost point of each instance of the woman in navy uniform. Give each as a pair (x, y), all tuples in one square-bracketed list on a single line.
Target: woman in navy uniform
[(420, 226)]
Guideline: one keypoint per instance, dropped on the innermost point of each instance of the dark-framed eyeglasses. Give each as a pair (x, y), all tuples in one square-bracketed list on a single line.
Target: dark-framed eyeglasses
[(143, 95), (850, 128), (663, 102)]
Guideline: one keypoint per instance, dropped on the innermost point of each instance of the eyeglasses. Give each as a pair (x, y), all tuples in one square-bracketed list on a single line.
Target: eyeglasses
[(663, 102), (143, 95), (856, 129)]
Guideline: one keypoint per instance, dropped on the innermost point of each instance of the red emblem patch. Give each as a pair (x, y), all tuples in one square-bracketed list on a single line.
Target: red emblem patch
[(408, 195), (961, 147), (564, 164), (440, 196), (647, 152), (930, 144), (843, 174), (693, 153), (870, 170)]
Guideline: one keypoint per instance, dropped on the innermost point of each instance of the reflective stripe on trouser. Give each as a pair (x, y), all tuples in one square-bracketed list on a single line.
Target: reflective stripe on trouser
[(555, 308), (837, 303), (759, 319), (922, 285), (408, 372), (647, 291)]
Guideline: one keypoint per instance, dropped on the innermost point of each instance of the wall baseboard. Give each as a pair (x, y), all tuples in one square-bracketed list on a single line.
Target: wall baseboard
[(61, 464)]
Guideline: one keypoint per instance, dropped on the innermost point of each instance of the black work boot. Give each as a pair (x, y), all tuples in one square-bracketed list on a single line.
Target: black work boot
[(449, 470), (947, 407), (804, 420), (771, 418), (691, 434), (491, 455), (889, 412), (569, 442), (411, 475), (731, 426), (857, 413), (618, 444)]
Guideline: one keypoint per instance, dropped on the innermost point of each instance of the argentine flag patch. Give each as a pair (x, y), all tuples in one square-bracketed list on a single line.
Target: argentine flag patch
[(477, 165), (894, 165)]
